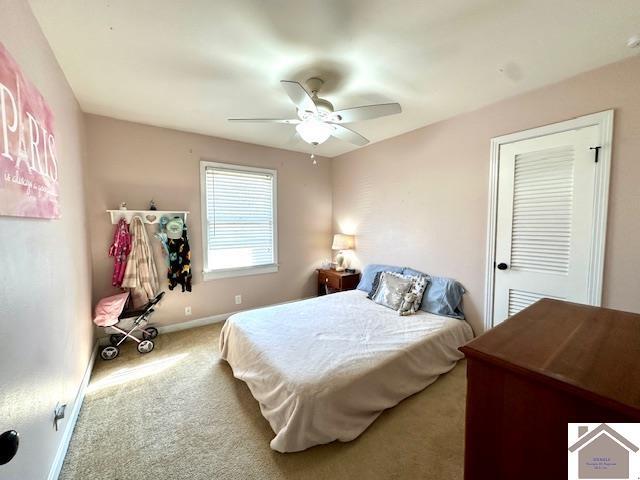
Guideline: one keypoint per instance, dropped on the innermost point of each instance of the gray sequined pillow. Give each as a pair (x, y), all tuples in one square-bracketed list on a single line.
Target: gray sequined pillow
[(418, 287), (391, 290)]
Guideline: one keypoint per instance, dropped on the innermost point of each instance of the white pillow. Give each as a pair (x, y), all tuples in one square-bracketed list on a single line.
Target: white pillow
[(420, 284)]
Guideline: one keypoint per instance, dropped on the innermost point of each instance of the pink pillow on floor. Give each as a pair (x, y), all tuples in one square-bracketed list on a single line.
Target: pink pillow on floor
[(108, 309)]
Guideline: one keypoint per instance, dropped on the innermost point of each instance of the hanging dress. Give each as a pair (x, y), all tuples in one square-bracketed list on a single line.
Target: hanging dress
[(119, 250), (179, 272)]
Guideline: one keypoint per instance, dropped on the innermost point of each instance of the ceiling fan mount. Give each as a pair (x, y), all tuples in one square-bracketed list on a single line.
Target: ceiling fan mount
[(317, 120), (324, 107), (314, 84)]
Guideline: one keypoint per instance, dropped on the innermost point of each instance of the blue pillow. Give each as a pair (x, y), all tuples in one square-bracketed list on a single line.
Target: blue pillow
[(369, 274), (443, 296)]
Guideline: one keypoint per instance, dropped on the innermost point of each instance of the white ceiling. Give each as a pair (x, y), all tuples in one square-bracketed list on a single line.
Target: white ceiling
[(190, 65)]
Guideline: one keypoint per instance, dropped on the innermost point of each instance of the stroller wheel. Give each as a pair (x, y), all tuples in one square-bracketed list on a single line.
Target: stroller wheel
[(145, 346), (149, 333), (115, 338), (109, 353)]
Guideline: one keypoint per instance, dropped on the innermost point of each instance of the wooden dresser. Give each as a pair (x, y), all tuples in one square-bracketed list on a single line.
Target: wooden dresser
[(553, 363), (331, 281)]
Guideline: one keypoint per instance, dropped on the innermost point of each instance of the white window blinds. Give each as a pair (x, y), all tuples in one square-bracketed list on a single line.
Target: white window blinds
[(240, 213)]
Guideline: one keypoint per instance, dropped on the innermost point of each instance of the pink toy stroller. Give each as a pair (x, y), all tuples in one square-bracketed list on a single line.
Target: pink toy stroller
[(110, 311)]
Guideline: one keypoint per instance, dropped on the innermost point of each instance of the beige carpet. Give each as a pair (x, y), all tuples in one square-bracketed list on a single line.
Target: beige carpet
[(178, 413)]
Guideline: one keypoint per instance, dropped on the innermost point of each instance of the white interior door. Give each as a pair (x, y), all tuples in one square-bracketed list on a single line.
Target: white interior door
[(545, 217)]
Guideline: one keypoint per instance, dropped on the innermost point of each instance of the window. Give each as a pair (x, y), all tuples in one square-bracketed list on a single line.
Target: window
[(238, 220)]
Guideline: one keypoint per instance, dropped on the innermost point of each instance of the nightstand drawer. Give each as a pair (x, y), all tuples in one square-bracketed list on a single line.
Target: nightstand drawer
[(332, 281)]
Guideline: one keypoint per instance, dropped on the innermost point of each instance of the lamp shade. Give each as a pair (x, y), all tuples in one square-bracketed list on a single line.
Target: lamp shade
[(343, 242)]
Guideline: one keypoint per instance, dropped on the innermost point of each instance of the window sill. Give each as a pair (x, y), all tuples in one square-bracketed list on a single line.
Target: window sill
[(239, 272)]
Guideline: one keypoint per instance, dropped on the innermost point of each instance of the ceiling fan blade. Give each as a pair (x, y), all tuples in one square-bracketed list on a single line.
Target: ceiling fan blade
[(292, 121), (366, 112), (348, 135), (299, 96)]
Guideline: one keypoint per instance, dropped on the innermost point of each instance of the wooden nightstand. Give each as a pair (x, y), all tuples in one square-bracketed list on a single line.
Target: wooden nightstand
[(331, 281)]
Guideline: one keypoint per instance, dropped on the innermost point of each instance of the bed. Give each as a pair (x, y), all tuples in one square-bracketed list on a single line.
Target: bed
[(323, 369)]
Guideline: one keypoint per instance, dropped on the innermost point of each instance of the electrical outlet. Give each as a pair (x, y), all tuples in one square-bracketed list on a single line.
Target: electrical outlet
[(187, 311), (238, 299)]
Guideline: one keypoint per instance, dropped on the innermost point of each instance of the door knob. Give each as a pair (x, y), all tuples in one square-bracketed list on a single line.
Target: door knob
[(502, 266), (9, 442)]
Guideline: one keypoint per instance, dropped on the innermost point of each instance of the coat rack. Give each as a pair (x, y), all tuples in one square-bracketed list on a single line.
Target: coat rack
[(147, 216)]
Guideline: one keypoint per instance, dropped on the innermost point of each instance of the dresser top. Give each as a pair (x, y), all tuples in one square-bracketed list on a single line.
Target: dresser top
[(593, 352)]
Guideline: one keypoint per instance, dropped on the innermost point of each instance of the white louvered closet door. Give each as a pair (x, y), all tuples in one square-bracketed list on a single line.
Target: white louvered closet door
[(545, 217)]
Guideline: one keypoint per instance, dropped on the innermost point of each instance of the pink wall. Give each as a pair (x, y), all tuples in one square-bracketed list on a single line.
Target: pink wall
[(134, 163), (421, 199), (45, 293)]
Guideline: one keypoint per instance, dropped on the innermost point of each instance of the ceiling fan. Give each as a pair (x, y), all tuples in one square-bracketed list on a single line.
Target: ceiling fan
[(317, 120)]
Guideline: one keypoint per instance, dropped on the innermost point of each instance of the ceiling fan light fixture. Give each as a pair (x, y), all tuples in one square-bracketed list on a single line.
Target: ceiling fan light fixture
[(317, 120), (314, 131)]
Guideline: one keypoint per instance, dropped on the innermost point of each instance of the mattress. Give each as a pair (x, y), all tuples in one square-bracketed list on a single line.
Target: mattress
[(325, 368)]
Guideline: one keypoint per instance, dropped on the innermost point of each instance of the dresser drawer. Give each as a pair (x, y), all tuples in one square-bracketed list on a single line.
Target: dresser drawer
[(332, 281)]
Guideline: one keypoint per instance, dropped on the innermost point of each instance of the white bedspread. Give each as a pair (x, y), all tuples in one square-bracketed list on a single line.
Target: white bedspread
[(323, 369)]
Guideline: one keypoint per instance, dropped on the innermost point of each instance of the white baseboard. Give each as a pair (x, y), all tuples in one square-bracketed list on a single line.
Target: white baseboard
[(70, 424), (197, 322), (221, 317), (103, 341)]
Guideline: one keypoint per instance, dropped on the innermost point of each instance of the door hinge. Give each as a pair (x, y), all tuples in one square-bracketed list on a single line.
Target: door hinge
[(597, 149), (58, 414)]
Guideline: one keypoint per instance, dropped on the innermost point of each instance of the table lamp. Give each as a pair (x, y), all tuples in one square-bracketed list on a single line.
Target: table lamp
[(342, 242)]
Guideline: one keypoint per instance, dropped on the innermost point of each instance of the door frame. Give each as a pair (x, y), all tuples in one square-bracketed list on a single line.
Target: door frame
[(604, 120)]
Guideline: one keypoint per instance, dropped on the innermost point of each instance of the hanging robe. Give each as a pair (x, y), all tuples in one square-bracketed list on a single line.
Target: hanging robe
[(140, 277)]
